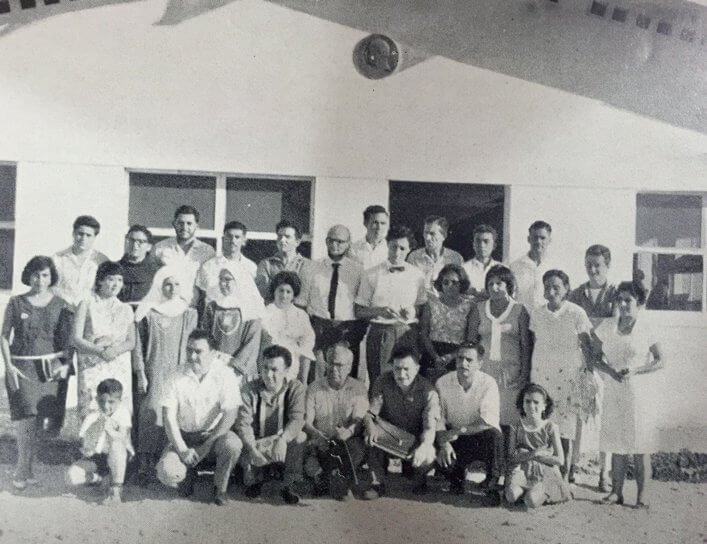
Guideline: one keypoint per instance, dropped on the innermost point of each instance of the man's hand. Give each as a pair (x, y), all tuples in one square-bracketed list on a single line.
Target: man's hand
[(257, 458), (343, 433), (424, 454), (109, 353), (279, 450), (446, 455), (61, 373), (189, 457), (142, 382), (371, 433)]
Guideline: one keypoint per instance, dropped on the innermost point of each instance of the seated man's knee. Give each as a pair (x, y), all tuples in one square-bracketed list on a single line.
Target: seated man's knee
[(170, 469), (301, 438), (229, 444), (535, 496), (513, 493)]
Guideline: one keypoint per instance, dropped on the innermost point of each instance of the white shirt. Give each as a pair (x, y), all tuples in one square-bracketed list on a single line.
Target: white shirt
[(476, 271), (368, 255), (430, 268), (200, 403), (460, 408), (76, 279), (398, 290), (208, 275), (530, 290), (316, 286)]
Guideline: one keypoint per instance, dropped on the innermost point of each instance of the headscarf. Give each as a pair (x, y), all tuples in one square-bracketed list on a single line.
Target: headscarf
[(245, 297), (155, 299)]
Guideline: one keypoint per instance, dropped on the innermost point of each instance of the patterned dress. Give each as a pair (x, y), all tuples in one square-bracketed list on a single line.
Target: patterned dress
[(109, 321)]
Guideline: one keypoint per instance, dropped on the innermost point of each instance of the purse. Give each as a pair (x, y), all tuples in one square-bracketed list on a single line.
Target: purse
[(392, 439)]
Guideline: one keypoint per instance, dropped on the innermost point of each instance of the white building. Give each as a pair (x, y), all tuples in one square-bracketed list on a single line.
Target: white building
[(519, 111)]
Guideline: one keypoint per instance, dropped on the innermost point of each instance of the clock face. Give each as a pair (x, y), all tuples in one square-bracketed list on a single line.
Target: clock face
[(376, 56)]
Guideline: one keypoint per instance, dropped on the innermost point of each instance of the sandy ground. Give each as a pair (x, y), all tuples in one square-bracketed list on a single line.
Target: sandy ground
[(50, 512)]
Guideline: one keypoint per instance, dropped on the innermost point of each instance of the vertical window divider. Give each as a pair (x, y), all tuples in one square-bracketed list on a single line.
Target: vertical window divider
[(219, 209), (703, 253)]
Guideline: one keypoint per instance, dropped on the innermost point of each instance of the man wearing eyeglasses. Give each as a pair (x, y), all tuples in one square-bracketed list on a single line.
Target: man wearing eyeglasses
[(138, 264)]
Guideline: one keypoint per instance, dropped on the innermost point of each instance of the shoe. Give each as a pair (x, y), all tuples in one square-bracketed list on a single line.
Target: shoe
[(320, 486), (640, 505), (494, 497), (253, 491), (114, 496), (289, 496), (420, 489), (186, 487), (19, 485), (570, 477), (456, 487), (604, 486), (338, 486), (220, 497), (373, 492), (613, 498)]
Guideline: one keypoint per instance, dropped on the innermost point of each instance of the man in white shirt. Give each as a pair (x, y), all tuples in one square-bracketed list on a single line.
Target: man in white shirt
[(529, 269), (390, 299), (77, 265), (484, 241), (200, 405), (434, 256), (372, 249), (185, 250), (469, 423), (328, 294)]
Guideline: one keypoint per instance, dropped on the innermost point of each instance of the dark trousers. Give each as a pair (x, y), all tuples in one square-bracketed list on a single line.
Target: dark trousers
[(486, 446), (328, 332), (336, 456)]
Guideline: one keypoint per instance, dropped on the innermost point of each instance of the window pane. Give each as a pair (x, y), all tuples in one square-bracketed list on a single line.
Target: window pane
[(675, 281), (154, 197), (8, 175), (669, 221), (7, 250), (261, 203)]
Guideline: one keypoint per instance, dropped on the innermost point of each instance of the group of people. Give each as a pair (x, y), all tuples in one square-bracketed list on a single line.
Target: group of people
[(186, 359)]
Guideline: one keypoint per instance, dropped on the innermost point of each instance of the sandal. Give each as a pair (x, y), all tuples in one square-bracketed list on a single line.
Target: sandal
[(19, 485)]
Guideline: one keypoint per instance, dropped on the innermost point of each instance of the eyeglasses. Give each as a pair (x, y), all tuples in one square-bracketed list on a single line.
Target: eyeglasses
[(137, 241)]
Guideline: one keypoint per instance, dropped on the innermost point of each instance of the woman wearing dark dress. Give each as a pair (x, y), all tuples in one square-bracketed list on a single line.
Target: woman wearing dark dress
[(39, 325)]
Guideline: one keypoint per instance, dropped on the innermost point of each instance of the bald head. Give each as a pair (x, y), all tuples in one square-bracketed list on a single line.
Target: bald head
[(338, 240)]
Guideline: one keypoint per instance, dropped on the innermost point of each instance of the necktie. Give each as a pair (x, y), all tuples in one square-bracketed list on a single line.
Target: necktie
[(333, 286)]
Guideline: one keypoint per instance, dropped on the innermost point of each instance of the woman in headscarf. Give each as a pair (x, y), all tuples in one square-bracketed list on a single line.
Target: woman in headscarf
[(164, 320), (232, 317)]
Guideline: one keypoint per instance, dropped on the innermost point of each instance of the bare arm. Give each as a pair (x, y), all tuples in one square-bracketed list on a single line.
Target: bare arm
[(79, 341), (171, 427), (526, 346), (657, 362)]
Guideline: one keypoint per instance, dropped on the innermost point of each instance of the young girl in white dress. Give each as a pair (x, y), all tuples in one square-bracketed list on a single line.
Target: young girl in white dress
[(562, 344), (289, 326)]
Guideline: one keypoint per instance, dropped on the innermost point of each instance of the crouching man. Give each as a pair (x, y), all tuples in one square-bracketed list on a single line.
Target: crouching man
[(199, 408)]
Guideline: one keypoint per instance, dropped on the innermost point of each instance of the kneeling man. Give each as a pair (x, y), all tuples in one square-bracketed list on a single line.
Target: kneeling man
[(469, 423), (199, 407)]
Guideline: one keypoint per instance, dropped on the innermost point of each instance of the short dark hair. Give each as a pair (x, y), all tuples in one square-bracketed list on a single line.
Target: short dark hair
[(202, 334), (555, 273), (439, 221), (105, 269), (143, 229), (598, 250), (372, 210), (397, 232), (452, 268), (37, 264), (285, 224), (483, 229), (635, 288), (109, 386), (538, 225), (405, 351), (535, 388), (476, 346), (185, 209), (235, 225), (87, 221), (275, 351), (504, 274), (286, 277)]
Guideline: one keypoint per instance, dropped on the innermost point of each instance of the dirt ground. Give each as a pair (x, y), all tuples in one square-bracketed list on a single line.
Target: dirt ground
[(50, 512)]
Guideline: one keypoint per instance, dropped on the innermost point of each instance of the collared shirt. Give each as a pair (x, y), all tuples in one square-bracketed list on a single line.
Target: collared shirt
[(476, 271), (400, 290), (368, 255), (265, 414), (269, 268), (530, 290), (464, 408), (598, 308), (76, 279), (328, 408), (415, 410), (431, 268), (314, 295), (137, 278), (200, 403), (208, 275)]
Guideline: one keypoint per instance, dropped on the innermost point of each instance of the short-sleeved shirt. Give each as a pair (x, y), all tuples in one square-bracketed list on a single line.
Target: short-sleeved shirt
[(431, 268), (464, 408), (598, 308), (137, 278), (168, 251), (530, 290), (400, 290), (270, 267), (328, 408), (368, 255), (208, 274), (200, 403), (476, 271), (414, 410), (316, 285), (76, 279)]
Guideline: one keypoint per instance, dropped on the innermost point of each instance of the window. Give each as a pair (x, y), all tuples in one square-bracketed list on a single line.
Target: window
[(8, 176), (670, 249), (257, 202), (465, 205)]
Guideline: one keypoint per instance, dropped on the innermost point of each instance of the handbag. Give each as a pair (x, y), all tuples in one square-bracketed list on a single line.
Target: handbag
[(392, 439)]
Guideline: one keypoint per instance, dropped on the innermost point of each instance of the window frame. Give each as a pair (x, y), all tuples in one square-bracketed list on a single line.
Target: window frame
[(679, 317), (220, 194), (10, 226)]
